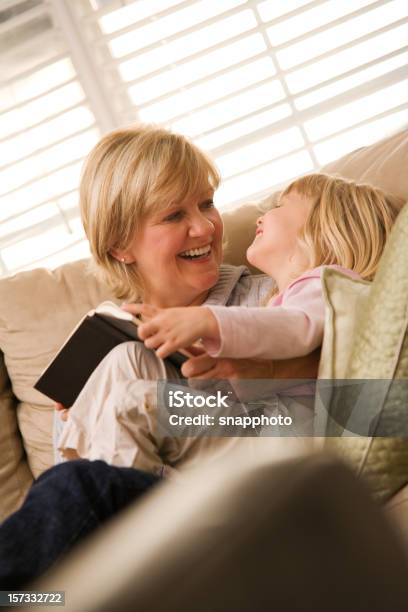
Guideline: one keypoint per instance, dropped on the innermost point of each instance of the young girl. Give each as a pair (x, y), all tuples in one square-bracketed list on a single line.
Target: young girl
[(319, 221)]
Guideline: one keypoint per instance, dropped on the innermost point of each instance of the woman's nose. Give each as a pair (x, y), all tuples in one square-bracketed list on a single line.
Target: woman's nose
[(201, 225)]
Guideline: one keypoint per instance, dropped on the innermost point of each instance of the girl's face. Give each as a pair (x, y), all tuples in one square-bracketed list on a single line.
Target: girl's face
[(276, 246), (178, 252)]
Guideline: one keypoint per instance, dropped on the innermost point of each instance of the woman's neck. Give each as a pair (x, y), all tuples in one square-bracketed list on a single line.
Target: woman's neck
[(175, 301)]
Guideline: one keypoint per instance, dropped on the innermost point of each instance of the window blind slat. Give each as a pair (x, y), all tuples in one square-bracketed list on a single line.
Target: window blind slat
[(22, 19), (317, 19), (335, 37), (35, 69), (13, 107), (335, 61), (40, 138), (186, 46), (187, 20), (180, 77), (23, 173)]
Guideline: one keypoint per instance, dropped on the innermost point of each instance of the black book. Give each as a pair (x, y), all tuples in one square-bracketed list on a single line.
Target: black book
[(92, 339)]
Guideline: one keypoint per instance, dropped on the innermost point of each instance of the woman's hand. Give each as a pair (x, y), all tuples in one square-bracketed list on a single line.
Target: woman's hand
[(205, 367), (170, 329)]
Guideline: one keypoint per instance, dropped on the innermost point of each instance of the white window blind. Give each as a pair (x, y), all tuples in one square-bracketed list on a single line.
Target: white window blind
[(46, 128), (271, 89)]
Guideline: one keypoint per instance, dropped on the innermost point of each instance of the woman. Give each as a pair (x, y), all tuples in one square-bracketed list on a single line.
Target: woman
[(146, 202)]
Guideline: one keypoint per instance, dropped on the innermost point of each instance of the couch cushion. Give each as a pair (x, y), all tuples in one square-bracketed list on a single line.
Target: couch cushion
[(38, 309), (239, 232), (36, 424), (15, 475), (382, 164)]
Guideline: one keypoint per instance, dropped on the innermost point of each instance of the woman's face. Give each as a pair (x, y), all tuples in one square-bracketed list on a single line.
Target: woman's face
[(178, 252)]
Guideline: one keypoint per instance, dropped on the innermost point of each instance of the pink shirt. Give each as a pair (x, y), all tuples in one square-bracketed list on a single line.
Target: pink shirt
[(290, 325)]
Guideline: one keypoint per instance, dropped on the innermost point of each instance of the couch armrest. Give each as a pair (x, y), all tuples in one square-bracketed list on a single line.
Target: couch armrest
[(243, 535)]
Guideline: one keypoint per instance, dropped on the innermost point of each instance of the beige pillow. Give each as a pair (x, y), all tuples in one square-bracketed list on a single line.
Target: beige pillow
[(380, 352), (344, 297)]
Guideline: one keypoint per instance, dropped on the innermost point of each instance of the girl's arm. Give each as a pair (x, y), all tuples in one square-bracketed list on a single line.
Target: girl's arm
[(278, 332)]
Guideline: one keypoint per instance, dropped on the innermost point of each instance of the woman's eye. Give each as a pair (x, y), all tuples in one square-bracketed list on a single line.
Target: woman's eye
[(207, 205), (174, 216)]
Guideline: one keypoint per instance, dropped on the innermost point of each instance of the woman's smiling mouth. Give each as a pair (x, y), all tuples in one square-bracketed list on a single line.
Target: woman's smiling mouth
[(196, 254)]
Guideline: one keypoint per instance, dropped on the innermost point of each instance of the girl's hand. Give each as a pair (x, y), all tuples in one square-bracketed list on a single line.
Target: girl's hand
[(171, 329), (63, 412)]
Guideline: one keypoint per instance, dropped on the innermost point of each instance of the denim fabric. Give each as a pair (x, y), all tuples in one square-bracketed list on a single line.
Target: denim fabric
[(65, 504)]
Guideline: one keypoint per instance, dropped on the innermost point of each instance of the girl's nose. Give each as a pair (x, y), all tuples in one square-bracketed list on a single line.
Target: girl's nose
[(259, 221)]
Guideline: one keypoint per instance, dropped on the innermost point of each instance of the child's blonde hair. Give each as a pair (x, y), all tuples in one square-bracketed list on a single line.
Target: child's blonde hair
[(349, 222), (131, 173)]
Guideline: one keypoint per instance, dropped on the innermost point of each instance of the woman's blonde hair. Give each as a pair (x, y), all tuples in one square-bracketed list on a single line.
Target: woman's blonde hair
[(348, 224), (130, 174)]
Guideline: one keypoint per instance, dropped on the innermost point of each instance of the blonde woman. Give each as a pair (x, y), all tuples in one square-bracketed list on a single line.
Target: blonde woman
[(319, 221)]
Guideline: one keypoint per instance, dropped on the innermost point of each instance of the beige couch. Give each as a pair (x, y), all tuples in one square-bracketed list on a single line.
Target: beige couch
[(38, 309)]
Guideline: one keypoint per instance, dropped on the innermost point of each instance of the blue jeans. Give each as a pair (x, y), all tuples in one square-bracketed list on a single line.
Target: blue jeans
[(64, 505)]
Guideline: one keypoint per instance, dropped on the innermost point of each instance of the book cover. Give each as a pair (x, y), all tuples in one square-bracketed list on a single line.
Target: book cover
[(94, 337)]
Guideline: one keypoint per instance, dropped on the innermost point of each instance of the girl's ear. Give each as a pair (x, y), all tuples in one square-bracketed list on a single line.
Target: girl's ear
[(122, 256)]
